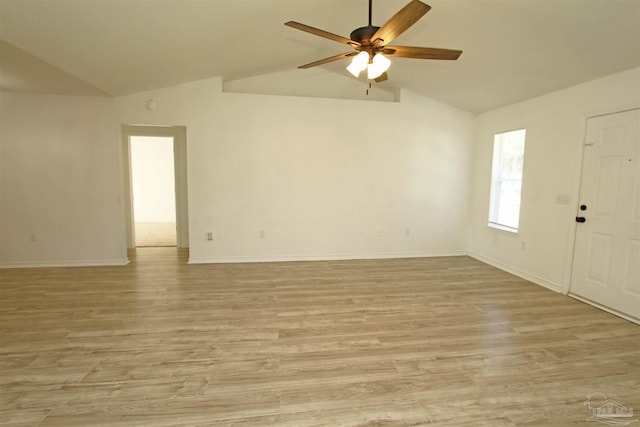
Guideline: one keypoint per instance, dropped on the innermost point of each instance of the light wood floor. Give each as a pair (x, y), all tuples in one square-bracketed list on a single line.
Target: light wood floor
[(435, 341)]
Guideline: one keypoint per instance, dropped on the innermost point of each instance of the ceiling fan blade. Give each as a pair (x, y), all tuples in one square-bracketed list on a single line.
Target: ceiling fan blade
[(400, 22), (329, 59), (384, 76), (421, 52), (321, 33)]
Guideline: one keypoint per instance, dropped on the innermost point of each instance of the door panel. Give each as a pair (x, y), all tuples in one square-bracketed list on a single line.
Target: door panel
[(606, 264), (608, 177), (599, 258), (631, 287)]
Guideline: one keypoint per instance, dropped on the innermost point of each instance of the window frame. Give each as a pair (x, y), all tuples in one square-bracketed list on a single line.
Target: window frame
[(498, 178)]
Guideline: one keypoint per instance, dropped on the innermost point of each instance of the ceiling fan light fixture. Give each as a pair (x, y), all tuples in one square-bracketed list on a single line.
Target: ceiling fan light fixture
[(379, 65), (358, 63)]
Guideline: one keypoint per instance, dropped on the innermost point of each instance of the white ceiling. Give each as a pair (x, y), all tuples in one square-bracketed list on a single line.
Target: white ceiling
[(512, 49)]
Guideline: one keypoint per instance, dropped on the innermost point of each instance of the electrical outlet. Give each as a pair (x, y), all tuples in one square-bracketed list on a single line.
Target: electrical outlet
[(209, 235)]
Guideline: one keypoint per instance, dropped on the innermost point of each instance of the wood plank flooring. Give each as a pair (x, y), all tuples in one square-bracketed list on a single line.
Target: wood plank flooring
[(407, 342)]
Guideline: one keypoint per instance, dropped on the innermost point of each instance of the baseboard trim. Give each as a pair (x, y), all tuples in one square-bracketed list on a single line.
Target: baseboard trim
[(556, 287), (334, 257), (605, 308), (67, 263)]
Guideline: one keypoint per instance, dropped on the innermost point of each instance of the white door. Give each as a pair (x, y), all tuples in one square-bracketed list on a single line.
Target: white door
[(606, 260)]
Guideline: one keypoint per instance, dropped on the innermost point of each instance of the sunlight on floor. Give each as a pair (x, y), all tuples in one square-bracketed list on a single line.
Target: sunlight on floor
[(155, 234)]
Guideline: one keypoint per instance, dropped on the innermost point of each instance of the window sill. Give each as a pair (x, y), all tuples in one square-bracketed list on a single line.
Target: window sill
[(503, 228)]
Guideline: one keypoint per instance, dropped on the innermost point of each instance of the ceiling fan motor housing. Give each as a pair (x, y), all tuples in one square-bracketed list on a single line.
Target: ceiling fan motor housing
[(363, 35)]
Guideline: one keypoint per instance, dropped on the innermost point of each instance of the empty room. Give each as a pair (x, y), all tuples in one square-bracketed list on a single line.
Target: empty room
[(369, 212)]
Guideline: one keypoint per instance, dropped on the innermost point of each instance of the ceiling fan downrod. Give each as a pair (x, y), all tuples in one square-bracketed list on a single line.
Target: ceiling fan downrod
[(363, 35)]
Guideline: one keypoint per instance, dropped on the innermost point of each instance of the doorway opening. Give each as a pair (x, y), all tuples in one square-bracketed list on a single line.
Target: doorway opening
[(155, 186)]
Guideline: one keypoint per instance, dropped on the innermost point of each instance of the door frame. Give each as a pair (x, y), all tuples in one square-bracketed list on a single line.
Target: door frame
[(179, 135)]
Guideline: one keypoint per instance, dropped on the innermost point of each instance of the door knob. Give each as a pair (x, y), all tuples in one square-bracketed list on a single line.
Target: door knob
[(580, 219)]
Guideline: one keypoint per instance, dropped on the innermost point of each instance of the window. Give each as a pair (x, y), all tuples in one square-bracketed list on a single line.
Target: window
[(506, 180)]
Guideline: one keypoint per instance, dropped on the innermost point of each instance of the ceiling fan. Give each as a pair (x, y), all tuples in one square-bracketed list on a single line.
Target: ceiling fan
[(371, 43)]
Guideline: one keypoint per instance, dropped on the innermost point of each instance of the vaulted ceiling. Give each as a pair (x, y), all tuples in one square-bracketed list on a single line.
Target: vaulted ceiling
[(512, 49)]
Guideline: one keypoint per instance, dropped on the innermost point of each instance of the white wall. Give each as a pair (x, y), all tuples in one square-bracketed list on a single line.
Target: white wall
[(276, 177), (153, 179), (60, 198), (555, 124)]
